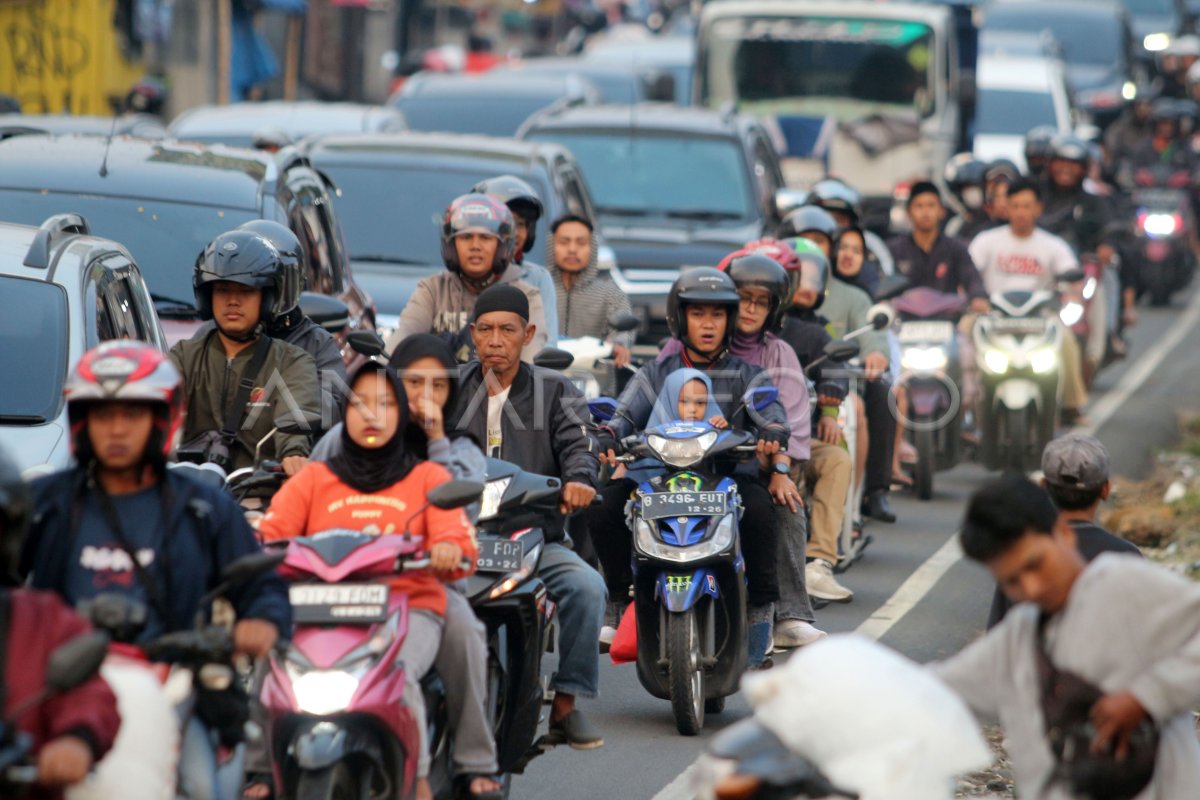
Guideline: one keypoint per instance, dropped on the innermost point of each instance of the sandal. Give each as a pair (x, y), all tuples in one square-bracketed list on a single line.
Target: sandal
[(467, 779), (259, 786)]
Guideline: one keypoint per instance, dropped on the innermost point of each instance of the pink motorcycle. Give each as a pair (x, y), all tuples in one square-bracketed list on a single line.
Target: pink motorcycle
[(338, 725)]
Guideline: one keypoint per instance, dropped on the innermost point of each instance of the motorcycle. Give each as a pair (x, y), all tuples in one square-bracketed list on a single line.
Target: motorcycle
[(337, 722), (689, 577), (591, 367), (932, 377), (1163, 217)]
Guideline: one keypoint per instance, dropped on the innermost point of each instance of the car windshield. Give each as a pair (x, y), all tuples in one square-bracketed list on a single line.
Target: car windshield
[(492, 116), (1157, 7), (819, 66), (395, 213), (1085, 38), (681, 176), (33, 327), (1010, 111), (163, 237)]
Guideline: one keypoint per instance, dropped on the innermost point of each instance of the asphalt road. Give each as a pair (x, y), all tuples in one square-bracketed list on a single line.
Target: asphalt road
[(643, 753)]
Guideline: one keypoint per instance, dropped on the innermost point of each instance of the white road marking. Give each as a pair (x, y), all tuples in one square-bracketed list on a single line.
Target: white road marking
[(926, 576)]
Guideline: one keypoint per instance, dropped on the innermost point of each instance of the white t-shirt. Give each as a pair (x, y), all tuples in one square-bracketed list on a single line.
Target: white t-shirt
[(1011, 264), (495, 434)]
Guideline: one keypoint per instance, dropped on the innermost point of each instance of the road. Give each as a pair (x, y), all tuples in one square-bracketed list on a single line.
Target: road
[(644, 756)]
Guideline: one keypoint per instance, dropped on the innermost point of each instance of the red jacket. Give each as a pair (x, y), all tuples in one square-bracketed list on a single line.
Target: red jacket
[(38, 623)]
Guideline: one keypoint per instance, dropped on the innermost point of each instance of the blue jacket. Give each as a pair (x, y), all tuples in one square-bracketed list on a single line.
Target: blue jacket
[(206, 531)]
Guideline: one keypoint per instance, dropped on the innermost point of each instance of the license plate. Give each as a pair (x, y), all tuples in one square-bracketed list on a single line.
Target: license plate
[(1019, 326), (932, 331), (338, 603), (682, 504), (499, 555)]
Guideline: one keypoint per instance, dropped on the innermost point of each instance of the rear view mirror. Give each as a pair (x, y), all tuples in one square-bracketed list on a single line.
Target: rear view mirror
[(301, 423), (367, 343), (760, 397), (624, 322), (788, 200), (603, 408), (249, 567), (841, 350), (880, 316), (328, 312), (454, 494), (76, 662), (1072, 276), (891, 286), (553, 358)]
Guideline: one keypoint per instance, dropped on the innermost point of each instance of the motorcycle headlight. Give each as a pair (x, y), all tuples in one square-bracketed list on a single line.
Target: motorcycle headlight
[(322, 692), (924, 359), (528, 564), (647, 542), (1159, 224), (681, 452), (1043, 360), (493, 493), (1071, 313), (995, 362), (1156, 42), (1089, 288)]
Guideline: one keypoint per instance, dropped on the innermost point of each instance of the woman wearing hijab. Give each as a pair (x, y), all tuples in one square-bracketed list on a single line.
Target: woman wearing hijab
[(853, 262), (371, 484)]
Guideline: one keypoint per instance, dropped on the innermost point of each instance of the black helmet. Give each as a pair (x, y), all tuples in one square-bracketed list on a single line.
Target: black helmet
[(1070, 148), (14, 518), (291, 256), (834, 194), (701, 286), (250, 259), (762, 272), (480, 213), (1002, 169), (1163, 109), (964, 171), (1039, 143), (519, 196), (807, 218)]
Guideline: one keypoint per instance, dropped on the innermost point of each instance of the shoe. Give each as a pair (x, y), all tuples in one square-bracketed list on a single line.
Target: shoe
[(607, 634), (796, 633), (576, 731), (819, 580), (877, 507)]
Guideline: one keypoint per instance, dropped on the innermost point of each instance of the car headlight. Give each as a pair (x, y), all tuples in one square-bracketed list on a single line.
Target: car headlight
[(647, 543), (681, 452), (924, 359), (1154, 42), (528, 564), (323, 692), (995, 362), (1043, 360), (1071, 314), (493, 493)]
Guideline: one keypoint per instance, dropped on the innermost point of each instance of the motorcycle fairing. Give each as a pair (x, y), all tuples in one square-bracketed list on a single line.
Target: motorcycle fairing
[(680, 591)]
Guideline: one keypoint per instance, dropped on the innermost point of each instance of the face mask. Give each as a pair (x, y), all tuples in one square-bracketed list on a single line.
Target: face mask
[(973, 198)]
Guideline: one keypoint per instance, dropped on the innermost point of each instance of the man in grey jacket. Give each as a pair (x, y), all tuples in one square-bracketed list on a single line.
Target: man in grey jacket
[(1127, 626)]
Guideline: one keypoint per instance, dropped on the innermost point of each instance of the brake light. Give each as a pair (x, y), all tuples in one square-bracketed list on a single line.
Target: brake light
[(1179, 180), (1144, 177)]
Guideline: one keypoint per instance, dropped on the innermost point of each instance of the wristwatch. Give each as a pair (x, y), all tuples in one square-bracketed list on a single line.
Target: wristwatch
[(780, 468)]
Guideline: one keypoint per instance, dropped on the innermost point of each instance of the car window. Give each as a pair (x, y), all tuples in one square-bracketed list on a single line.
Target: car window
[(34, 329), (310, 228), (1085, 38), (1013, 112), (766, 174), (491, 116), (574, 194)]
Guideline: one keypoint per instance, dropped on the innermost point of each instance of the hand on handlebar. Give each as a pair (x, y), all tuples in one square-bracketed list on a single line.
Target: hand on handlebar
[(64, 761), (254, 637), (766, 448), (575, 496), (445, 558), (293, 464), (621, 356), (980, 305), (875, 364)]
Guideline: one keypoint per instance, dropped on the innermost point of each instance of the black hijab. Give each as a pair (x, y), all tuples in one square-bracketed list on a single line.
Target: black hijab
[(412, 349), (371, 470), (869, 276)]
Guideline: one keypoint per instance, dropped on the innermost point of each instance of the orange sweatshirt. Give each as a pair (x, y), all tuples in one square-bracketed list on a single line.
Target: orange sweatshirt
[(315, 500)]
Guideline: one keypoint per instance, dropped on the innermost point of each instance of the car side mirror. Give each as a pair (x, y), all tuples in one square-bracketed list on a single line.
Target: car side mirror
[(328, 312), (454, 494), (760, 397), (841, 350), (553, 358), (76, 662), (891, 286)]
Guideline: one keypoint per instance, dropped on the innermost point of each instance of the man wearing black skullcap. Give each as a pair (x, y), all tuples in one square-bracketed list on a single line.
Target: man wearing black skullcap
[(534, 418)]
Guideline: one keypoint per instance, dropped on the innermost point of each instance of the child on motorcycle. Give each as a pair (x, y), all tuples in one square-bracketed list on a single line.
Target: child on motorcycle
[(373, 484), (686, 396)]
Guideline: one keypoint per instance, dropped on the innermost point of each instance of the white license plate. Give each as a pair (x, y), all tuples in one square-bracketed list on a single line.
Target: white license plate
[(682, 504), (499, 555), (330, 603), (931, 331), (1019, 326)]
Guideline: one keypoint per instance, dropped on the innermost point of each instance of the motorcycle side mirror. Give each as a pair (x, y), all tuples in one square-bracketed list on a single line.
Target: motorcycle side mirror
[(553, 358), (1072, 276), (841, 350), (788, 200), (659, 86), (760, 397), (891, 286), (367, 343), (454, 494), (302, 423), (624, 322), (881, 316), (247, 568), (76, 662), (603, 408), (328, 312)]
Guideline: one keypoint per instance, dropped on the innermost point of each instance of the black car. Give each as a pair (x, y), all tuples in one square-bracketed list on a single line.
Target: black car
[(240, 123), (674, 187), (619, 81), (489, 104), (394, 189), (676, 55), (166, 201), (1096, 44), (1157, 23)]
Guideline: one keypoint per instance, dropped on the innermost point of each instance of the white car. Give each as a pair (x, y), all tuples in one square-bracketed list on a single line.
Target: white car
[(1015, 94)]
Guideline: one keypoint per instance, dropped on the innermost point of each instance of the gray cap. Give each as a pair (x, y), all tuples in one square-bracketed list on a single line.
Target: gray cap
[(1075, 461)]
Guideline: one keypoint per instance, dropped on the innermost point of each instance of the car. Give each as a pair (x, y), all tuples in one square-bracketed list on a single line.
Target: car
[(394, 189), (1015, 95), (62, 292), (488, 104), (1096, 46), (238, 124), (146, 126), (676, 55), (674, 188), (166, 200), (618, 80), (1157, 23)]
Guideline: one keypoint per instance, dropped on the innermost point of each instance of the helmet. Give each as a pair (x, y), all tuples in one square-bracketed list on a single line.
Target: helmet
[(783, 254), (125, 371), (271, 139), (1039, 143), (1001, 169), (1070, 148), (148, 96), (520, 198), (702, 285), (291, 258), (1164, 109), (483, 214), (965, 172), (807, 218), (834, 194), (250, 259), (15, 507), (760, 271), (812, 270)]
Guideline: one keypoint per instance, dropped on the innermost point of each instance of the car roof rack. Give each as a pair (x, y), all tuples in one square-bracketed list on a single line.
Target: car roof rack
[(50, 233)]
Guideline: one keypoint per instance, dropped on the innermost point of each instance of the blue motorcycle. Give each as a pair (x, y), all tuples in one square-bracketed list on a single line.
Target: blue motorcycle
[(689, 576)]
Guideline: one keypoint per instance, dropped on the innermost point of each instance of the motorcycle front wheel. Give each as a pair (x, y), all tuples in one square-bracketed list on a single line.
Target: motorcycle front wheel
[(926, 458), (686, 672), (332, 783)]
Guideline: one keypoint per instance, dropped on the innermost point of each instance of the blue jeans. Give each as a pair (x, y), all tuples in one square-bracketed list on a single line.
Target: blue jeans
[(578, 592), (200, 776)]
